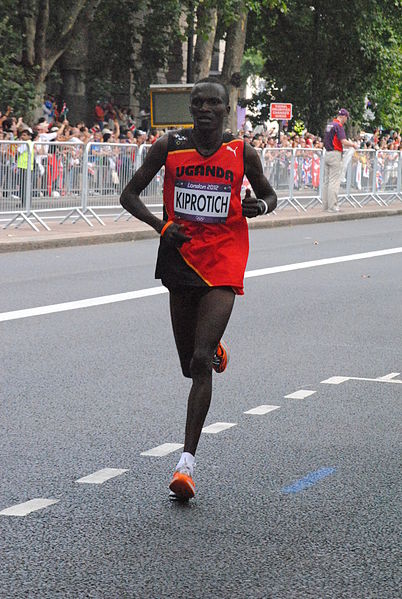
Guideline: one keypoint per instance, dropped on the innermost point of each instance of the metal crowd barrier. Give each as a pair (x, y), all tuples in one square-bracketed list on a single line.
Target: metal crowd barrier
[(41, 181)]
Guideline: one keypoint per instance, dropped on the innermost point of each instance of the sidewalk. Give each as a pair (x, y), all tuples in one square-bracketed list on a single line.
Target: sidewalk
[(68, 234)]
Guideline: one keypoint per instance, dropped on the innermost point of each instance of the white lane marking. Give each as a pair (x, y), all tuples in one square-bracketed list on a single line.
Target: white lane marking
[(86, 303), (357, 378), (335, 380), (299, 265), (389, 376), (301, 394), (22, 509), (217, 427), (100, 476), (121, 297), (264, 409), (163, 449)]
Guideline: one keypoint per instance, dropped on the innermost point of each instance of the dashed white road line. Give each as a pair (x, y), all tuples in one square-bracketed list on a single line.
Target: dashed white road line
[(301, 394), (163, 449), (121, 297), (100, 476), (264, 409), (218, 427), (33, 505)]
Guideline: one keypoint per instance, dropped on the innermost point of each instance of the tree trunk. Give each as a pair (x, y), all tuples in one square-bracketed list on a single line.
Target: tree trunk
[(73, 68), (235, 40), (136, 21), (39, 52), (207, 20)]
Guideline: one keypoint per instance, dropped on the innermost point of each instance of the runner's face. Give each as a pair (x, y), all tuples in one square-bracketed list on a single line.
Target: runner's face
[(208, 106)]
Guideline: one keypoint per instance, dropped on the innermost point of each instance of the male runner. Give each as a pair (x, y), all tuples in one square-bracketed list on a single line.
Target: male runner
[(204, 243)]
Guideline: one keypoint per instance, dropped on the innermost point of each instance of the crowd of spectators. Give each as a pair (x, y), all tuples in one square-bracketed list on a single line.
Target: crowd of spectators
[(386, 140), (56, 168), (112, 123)]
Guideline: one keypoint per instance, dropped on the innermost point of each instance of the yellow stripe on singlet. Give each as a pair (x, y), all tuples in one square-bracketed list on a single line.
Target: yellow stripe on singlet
[(196, 271)]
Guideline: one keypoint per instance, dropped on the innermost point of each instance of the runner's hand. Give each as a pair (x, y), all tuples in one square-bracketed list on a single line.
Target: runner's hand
[(174, 235), (250, 205)]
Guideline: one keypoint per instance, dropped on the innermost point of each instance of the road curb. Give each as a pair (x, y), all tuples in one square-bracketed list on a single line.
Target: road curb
[(81, 239)]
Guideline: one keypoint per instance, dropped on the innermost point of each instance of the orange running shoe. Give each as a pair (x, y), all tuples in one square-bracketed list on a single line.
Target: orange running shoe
[(221, 357), (182, 484)]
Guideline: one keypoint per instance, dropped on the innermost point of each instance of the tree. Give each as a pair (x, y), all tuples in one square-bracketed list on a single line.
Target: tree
[(16, 89), (48, 27), (207, 21), (321, 56)]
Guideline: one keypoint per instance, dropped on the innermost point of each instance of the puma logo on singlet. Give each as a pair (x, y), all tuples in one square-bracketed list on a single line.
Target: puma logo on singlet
[(234, 150)]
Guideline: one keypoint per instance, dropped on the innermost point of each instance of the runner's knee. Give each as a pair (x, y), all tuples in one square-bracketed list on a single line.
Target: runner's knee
[(185, 368), (201, 363)]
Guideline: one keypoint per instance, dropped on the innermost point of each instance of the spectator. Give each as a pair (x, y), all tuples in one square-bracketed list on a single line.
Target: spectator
[(48, 110), (334, 141), (23, 151), (140, 137), (99, 114)]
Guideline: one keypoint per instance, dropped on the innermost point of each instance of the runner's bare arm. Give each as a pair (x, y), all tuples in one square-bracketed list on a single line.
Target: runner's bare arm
[(265, 200), (130, 197)]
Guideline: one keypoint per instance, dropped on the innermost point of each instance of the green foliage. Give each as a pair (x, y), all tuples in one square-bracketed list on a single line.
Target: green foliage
[(383, 43), (321, 56), (15, 89), (252, 65), (109, 59)]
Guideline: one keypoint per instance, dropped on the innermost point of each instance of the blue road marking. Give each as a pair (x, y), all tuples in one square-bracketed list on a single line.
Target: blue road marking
[(308, 481)]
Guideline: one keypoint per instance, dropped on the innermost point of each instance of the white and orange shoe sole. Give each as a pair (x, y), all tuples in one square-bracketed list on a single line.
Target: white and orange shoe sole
[(182, 486)]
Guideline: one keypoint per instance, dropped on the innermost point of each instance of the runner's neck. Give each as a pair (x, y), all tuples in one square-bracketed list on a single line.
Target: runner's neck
[(207, 142)]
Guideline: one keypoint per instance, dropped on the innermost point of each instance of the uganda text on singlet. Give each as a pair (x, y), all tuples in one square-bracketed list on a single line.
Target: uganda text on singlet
[(202, 193)]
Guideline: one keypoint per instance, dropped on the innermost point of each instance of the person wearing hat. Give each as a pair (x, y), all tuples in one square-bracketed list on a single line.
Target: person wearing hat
[(334, 142)]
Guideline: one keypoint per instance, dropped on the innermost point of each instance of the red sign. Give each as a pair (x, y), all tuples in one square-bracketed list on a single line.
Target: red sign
[(282, 112)]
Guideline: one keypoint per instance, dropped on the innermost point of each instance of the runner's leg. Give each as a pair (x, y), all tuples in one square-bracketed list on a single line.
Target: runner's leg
[(214, 310), (183, 312)]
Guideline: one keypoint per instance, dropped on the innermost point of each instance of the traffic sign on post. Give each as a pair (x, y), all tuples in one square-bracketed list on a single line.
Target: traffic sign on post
[(280, 111)]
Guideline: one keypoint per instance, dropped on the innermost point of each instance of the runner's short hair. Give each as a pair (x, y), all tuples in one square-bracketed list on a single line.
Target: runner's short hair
[(216, 81)]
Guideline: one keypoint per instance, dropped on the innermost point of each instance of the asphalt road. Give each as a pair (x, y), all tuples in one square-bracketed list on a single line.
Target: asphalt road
[(302, 501)]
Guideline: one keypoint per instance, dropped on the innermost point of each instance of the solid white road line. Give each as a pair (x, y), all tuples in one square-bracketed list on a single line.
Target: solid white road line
[(264, 409), (336, 380), (22, 509), (163, 449), (100, 476), (217, 427), (301, 394), (389, 376), (312, 263), (121, 297), (86, 303)]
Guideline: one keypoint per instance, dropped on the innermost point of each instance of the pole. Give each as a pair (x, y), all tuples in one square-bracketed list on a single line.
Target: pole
[(279, 131), (190, 43)]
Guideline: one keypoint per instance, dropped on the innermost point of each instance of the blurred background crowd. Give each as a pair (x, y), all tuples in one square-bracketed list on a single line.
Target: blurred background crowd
[(112, 123)]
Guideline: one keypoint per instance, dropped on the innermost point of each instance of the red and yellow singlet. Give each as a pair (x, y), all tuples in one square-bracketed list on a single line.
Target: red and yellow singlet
[(202, 193)]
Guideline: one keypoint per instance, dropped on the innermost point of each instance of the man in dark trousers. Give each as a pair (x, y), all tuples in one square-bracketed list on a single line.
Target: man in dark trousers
[(204, 244)]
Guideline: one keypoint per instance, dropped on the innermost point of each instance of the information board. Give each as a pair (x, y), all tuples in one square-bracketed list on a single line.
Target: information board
[(170, 105), (280, 111)]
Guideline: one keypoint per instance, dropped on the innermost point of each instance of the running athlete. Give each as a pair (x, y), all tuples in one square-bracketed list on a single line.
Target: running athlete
[(203, 247)]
